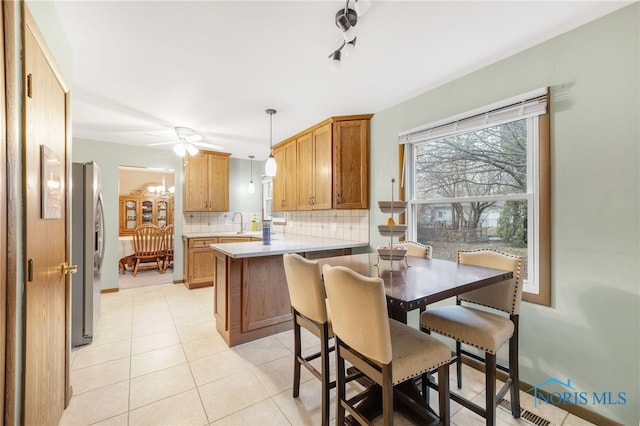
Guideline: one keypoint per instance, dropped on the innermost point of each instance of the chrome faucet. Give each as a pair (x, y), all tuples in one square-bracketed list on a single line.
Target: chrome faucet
[(241, 221)]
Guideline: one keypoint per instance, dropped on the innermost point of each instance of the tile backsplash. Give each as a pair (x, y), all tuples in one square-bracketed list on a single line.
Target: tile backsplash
[(350, 225)]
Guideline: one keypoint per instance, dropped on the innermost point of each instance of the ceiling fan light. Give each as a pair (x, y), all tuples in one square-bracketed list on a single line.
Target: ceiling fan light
[(179, 150), (192, 150)]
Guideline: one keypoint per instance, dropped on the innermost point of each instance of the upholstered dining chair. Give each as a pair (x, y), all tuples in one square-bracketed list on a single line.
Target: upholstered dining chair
[(385, 350), (167, 260), (416, 249), (148, 246), (487, 330), (308, 303)]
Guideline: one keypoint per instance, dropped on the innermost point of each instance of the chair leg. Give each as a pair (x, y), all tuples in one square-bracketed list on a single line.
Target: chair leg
[(387, 396), (444, 411), (135, 267), (490, 378), (459, 364), (296, 356), (341, 394), (324, 357), (514, 372)]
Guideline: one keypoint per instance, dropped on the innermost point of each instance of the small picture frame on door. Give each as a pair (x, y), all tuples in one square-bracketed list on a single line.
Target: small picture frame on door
[(51, 186)]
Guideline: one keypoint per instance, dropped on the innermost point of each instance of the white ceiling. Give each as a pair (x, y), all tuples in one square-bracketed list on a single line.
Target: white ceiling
[(141, 68)]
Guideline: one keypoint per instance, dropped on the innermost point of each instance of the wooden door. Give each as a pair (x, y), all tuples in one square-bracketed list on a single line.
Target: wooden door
[(4, 256), (46, 246), (196, 183), (322, 170), (304, 152), (351, 164)]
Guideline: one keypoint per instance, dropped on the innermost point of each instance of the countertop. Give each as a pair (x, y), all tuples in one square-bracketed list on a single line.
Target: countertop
[(256, 234), (285, 243)]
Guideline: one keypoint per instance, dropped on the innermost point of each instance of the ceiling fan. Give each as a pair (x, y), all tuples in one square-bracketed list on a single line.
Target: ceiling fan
[(188, 142)]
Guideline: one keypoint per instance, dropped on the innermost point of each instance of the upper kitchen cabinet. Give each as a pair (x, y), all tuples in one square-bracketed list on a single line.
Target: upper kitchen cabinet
[(330, 162), (285, 181), (351, 164), (314, 169), (206, 182)]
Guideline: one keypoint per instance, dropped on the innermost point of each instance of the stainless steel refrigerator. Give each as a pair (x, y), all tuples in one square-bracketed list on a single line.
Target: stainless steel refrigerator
[(87, 250)]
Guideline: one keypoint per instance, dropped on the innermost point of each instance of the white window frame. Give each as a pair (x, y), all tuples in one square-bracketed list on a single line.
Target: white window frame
[(537, 286)]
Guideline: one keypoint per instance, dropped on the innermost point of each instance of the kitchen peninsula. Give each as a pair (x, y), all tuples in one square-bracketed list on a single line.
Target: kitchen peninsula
[(251, 299)]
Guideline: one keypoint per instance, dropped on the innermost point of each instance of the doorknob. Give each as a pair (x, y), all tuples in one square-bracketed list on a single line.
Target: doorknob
[(68, 269)]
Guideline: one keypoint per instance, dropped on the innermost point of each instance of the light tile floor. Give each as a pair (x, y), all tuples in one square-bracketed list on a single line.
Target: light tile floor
[(157, 359)]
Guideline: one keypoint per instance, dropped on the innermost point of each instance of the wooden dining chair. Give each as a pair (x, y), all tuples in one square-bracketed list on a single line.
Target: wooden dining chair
[(306, 292), (167, 260), (148, 246), (387, 351), (487, 330)]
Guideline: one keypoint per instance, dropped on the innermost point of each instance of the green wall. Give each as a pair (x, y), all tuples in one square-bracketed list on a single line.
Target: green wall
[(591, 333), (110, 157)]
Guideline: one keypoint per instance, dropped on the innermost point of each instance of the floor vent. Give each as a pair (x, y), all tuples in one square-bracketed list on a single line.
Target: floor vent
[(525, 415)]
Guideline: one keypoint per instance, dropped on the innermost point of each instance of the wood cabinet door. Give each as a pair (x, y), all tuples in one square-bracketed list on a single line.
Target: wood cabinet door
[(351, 164), (279, 180), (196, 183), (304, 150), (218, 182), (290, 176), (322, 170), (285, 181), (129, 215)]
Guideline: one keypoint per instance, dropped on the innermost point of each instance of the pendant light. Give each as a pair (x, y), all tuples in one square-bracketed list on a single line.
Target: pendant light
[(271, 167), (251, 188)]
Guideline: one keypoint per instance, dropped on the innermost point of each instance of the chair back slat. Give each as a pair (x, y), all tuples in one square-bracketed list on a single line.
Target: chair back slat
[(148, 240), (359, 312), (306, 289), (168, 239), (502, 296)]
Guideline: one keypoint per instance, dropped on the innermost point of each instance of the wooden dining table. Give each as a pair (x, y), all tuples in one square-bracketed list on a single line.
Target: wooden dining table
[(413, 283), (417, 282)]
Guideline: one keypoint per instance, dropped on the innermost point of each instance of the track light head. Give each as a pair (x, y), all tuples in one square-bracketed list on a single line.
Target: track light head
[(346, 20)]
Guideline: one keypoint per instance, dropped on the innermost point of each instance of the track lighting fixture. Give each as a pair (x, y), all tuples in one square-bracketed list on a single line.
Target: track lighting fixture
[(346, 20)]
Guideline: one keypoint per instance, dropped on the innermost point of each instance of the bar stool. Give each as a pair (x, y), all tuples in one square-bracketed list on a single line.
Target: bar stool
[(487, 331), (385, 350), (308, 304)]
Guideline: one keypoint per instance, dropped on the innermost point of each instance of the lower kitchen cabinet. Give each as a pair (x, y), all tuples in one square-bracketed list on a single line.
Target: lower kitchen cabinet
[(198, 258)]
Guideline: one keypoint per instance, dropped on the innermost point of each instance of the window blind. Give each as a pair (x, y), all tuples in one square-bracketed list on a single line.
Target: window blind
[(523, 106)]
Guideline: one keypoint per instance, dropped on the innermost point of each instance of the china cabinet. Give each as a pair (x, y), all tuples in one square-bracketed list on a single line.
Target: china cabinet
[(138, 210)]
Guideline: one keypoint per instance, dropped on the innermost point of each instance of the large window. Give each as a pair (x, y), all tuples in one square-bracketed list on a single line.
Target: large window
[(481, 180)]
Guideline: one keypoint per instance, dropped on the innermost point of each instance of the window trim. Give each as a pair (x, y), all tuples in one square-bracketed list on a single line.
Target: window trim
[(541, 182)]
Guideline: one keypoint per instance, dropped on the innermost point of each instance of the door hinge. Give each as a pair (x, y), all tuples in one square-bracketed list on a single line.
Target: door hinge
[(29, 85)]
